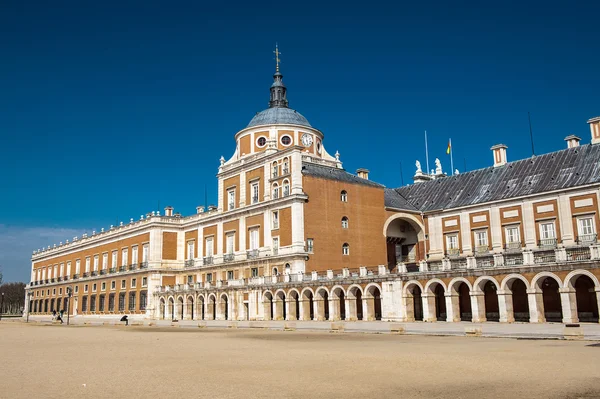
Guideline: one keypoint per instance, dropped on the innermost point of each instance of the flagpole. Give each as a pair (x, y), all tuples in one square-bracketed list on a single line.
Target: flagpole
[(426, 154), (451, 161)]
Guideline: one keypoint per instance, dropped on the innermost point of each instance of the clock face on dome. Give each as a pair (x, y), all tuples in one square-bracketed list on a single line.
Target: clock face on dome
[(307, 140)]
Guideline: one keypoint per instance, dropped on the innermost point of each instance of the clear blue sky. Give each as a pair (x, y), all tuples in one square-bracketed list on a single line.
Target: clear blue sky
[(109, 107)]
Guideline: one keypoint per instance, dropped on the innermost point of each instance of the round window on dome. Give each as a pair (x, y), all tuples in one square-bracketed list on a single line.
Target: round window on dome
[(261, 141), (286, 140)]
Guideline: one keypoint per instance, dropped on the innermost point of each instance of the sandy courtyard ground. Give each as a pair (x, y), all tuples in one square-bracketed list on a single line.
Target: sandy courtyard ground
[(116, 362)]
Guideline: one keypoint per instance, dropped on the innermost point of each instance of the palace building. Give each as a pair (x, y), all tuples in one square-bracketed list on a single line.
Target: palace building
[(294, 236)]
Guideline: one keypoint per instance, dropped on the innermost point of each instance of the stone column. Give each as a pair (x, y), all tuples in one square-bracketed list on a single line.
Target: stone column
[(291, 308), (505, 306), (568, 301), (267, 310), (368, 308), (186, 310), (351, 309), (428, 307), (334, 308), (408, 302), (319, 304), (304, 309), (278, 309), (452, 307), (478, 306), (536, 305)]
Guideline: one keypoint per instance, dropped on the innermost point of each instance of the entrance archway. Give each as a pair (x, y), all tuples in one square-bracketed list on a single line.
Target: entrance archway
[(440, 303), (308, 308), (201, 311), (374, 302), (224, 307), (180, 307), (190, 308), (280, 306), (356, 304), (581, 287), (294, 305), (413, 302), (464, 300), (340, 300), (161, 308), (322, 299), (405, 241), (212, 307), (551, 298), (171, 308), (268, 306), (514, 291)]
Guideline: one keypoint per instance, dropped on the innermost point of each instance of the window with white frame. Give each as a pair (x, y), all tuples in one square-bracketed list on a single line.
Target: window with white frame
[(115, 255), (286, 188), (68, 268), (275, 219), (96, 262), (344, 222), (286, 166), (190, 279), (113, 285), (190, 250), (254, 190), (229, 274), (145, 252), (123, 284), (62, 270), (254, 239), (104, 261), (231, 199), (512, 234), (134, 255), (124, 253), (77, 266), (309, 245), (133, 282), (254, 272), (103, 286), (144, 281), (275, 191), (94, 286), (85, 288), (87, 264), (452, 241), (344, 196), (345, 249), (275, 170), (230, 240), (481, 238), (585, 226), (209, 246), (547, 231), (55, 275)]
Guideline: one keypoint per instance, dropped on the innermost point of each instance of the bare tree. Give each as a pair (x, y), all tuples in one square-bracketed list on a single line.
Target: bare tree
[(14, 294)]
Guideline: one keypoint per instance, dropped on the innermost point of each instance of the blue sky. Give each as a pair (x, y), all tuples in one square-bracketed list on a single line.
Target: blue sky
[(107, 108)]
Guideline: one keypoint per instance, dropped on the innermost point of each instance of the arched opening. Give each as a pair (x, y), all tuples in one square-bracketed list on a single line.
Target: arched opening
[(338, 293), (492, 309), (551, 298), (294, 306), (225, 306), (587, 303), (268, 306), (288, 268), (212, 304), (464, 302), (201, 308), (405, 244), (180, 308), (308, 305), (161, 309), (520, 301), (440, 303), (280, 306), (171, 308), (417, 302), (322, 304), (190, 307), (46, 306), (375, 296), (52, 308), (344, 222), (355, 302)]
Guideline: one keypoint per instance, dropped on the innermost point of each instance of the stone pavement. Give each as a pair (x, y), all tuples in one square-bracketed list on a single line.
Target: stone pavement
[(588, 331)]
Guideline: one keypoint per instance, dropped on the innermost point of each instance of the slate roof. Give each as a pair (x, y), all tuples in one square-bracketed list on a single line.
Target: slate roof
[(327, 172), (276, 115), (562, 169)]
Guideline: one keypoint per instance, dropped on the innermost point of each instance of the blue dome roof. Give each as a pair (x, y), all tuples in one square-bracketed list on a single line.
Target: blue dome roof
[(278, 115)]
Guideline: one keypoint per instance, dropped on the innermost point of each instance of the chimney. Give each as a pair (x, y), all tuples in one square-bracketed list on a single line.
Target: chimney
[(595, 129), (199, 209), (363, 173), (212, 208), (499, 151), (169, 211), (572, 141)]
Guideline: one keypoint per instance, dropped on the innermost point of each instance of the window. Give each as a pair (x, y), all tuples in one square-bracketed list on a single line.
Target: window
[(344, 196), (286, 140), (512, 235), (103, 286), (85, 288), (62, 270), (585, 226), (87, 264), (209, 277), (254, 191), (134, 255), (452, 242), (190, 250), (275, 191), (230, 238), (132, 296), (133, 282), (275, 219), (547, 231), (145, 251), (84, 304), (94, 286), (144, 281), (190, 279), (288, 268), (209, 246), (121, 302), (345, 249), (275, 170), (93, 303), (123, 284), (143, 300), (275, 245), (54, 291), (60, 291), (101, 303), (96, 259), (229, 274), (275, 272), (68, 268), (254, 272), (77, 266), (76, 289), (104, 261), (261, 142), (111, 303), (481, 238), (254, 240), (114, 259), (344, 222), (230, 200), (286, 166), (309, 245), (286, 188), (113, 285), (124, 257)]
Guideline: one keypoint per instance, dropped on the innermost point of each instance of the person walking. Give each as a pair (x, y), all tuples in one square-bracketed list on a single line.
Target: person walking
[(59, 317), (53, 315)]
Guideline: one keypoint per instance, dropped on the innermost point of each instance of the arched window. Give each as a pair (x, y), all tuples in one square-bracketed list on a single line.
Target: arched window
[(275, 170), (286, 188), (287, 268), (345, 249), (275, 272), (275, 191), (344, 222), (286, 166), (344, 196)]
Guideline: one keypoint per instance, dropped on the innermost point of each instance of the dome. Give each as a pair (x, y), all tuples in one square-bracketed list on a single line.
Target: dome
[(278, 115)]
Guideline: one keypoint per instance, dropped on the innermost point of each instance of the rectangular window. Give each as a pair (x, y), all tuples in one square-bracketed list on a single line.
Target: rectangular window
[(124, 257), (254, 192), (105, 261), (96, 259), (87, 264), (133, 282), (101, 303), (209, 246), (190, 279), (84, 304), (123, 284), (547, 231), (254, 240), (132, 302), (275, 219), (190, 250), (113, 285), (60, 291), (585, 226), (230, 243), (144, 281), (94, 286), (85, 288), (77, 266), (512, 235), (115, 255), (229, 274), (275, 245), (122, 302), (76, 289), (111, 303), (68, 268), (481, 238), (145, 251), (93, 303), (103, 286), (230, 200), (209, 277), (254, 272), (309, 245), (62, 270), (143, 300), (134, 255), (452, 242)]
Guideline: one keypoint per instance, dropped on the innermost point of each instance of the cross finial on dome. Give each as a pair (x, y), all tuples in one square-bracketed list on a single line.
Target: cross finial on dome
[(277, 59)]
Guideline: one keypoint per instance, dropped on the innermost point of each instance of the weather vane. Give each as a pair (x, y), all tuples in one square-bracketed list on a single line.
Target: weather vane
[(277, 54)]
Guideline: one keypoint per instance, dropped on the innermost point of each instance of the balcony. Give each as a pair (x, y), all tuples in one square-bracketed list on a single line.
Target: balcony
[(189, 263), (231, 206), (252, 254), (275, 250), (94, 273), (133, 266), (52, 280), (481, 250), (59, 279), (75, 276), (513, 260), (228, 258), (122, 268), (458, 264), (587, 239), (452, 252), (207, 260), (255, 200), (112, 270), (578, 254), (544, 257), (86, 274), (286, 171), (144, 265), (275, 174), (103, 272), (66, 278), (513, 246), (547, 243)]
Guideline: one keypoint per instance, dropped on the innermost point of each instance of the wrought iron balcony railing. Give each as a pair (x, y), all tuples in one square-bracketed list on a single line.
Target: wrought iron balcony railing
[(512, 246), (133, 266), (547, 243), (207, 260), (586, 239), (75, 276), (144, 265), (481, 249), (112, 270), (189, 263), (228, 257), (122, 268), (86, 274), (252, 254)]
